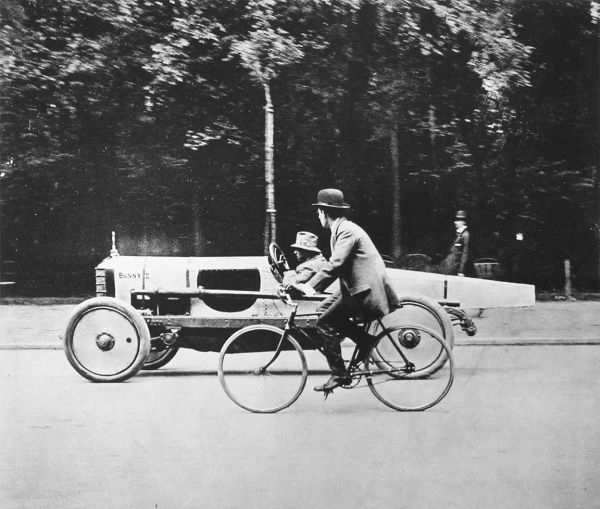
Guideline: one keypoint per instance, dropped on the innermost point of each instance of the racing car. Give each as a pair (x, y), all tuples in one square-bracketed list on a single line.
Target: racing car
[(148, 307)]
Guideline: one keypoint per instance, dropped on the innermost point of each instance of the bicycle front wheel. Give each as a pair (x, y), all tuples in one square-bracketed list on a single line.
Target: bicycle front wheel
[(262, 369), (404, 382)]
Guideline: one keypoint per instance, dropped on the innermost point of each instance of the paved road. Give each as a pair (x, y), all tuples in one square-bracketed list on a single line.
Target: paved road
[(518, 429)]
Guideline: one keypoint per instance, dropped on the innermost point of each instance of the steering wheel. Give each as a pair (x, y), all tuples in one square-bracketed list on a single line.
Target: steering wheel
[(277, 262)]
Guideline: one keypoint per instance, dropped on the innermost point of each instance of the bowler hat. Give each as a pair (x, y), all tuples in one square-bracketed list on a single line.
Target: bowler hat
[(332, 198), (462, 215), (306, 241)]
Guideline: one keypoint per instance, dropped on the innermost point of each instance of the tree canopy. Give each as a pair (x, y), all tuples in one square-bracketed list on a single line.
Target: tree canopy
[(148, 118)]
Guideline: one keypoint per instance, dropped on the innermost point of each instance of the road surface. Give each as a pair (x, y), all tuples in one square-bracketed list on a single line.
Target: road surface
[(519, 428)]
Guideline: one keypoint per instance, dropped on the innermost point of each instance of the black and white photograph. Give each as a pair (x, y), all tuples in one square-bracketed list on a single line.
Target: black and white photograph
[(297, 254)]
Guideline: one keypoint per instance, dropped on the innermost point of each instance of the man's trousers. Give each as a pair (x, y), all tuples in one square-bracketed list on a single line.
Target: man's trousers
[(333, 325)]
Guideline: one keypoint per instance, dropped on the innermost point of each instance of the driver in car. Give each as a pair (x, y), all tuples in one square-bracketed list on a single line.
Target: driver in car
[(310, 260)]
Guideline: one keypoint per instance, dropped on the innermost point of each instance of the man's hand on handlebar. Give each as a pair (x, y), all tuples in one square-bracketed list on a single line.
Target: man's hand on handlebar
[(284, 295), (295, 291), (300, 289)]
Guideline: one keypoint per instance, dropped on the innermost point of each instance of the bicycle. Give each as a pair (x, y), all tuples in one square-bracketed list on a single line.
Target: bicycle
[(263, 368)]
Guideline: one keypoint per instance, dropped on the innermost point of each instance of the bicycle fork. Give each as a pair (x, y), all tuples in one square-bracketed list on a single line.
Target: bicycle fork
[(286, 330)]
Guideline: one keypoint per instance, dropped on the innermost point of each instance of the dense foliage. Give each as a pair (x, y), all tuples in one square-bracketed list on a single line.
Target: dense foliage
[(147, 117)]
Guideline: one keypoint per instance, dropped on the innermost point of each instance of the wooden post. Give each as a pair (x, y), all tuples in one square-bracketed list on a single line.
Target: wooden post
[(396, 195), (568, 292)]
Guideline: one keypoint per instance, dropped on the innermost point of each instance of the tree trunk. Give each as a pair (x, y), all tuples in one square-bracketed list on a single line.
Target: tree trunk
[(270, 218), (598, 224), (396, 195), (432, 129), (197, 233)]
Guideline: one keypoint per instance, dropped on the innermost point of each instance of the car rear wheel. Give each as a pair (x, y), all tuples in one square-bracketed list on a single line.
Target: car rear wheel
[(159, 358)]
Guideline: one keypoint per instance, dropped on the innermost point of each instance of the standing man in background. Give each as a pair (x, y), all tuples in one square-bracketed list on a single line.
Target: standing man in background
[(458, 262)]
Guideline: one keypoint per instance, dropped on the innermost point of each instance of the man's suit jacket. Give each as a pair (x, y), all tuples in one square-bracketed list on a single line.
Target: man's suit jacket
[(364, 283), (458, 260)]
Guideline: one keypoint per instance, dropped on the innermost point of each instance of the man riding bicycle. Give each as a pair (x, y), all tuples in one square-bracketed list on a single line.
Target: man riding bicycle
[(365, 290)]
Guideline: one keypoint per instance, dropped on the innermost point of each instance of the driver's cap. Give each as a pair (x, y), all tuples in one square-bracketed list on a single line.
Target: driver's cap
[(307, 241)]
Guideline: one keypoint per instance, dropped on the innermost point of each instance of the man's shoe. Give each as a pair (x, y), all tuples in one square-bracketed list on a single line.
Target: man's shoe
[(333, 382)]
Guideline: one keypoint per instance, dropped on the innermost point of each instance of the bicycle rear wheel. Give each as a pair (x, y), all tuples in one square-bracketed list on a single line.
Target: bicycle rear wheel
[(405, 381), (424, 312), (262, 369)]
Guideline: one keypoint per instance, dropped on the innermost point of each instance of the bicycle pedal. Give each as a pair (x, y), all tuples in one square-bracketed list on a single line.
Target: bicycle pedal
[(327, 393)]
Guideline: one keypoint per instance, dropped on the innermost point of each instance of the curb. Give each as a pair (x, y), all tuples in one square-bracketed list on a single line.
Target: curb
[(526, 342), (534, 341), (32, 346)]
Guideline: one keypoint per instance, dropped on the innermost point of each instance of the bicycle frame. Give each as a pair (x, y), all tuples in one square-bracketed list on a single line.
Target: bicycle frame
[(352, 365), (388, 367)]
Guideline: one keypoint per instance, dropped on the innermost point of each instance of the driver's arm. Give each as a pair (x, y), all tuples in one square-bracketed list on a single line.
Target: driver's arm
[(298, 276), (289, 277)]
